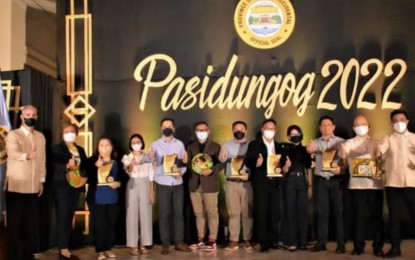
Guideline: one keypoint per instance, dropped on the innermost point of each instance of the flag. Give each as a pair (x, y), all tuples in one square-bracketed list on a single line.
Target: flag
[(4, 128)]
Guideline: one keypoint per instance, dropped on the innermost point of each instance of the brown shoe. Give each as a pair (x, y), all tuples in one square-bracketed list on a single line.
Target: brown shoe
[(164, 250), (183, 248), (247, 245), (233, 245)]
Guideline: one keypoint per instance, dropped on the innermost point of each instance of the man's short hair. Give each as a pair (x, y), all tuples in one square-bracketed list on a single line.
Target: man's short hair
[(167, 119), (239, 123), (397, 112), (325, 117)]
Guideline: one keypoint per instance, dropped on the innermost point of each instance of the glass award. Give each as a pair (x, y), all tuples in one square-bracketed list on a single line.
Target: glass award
[(274, 166), (201, 161)]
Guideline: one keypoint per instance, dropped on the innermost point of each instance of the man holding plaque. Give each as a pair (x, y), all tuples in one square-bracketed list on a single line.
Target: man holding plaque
[(398, 150), (168, 154), (261, 159), (329, 184), (238, 187), (204, 167), (365, 185)]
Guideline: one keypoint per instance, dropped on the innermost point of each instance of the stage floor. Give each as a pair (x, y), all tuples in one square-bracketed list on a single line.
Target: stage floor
[(408, 252)]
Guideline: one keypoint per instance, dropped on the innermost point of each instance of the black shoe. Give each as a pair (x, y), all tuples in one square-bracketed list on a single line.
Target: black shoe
[(378, 252), (340, 249), (264, 250), (303, 248), (275, 246), (357, 252), (393, 253), (318, 247)]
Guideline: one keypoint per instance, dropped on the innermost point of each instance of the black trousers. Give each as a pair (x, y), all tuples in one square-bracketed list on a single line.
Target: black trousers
[(329, 195), (171, 220), (368, 211), (397, 199), (66, 199), (105, 217), (22, 225), (296, 201), (267, 214)]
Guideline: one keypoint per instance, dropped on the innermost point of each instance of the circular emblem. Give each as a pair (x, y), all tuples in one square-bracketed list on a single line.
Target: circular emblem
[(110, 179), (201, 161), (264, 24), (3, 135)]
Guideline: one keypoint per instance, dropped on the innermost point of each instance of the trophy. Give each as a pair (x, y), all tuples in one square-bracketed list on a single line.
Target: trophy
[(330, 160), (201, 161), (364, 167), (104, 177), (237, 170), (274, 166), (169, 165)]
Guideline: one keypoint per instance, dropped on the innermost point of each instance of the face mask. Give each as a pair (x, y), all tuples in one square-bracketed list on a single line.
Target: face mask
[(296, 138), (361, 130), (202, 135), (239, 135), (69, 137), (399, 127), (105, 150), (136, 147), (30, 122), (167, 132), (269, 134)]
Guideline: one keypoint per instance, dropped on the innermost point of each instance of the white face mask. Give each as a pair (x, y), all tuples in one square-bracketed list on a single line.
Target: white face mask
[(136, 147), (269, 134), (202, 135), (69, 137), (399, 127), (361, 130)]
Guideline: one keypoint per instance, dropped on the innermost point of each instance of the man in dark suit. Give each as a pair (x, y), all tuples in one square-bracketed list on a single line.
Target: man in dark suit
[(266, 189), (204, 185)]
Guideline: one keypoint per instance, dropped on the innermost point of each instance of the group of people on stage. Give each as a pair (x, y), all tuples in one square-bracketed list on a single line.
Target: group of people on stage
[(259, 175)]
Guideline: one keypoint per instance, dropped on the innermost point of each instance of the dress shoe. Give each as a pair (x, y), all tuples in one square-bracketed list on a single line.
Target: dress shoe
[(393, 253), (378, 252), (318, 247), (164, 250), (357, 252), (340, 249), (183, 248), (303, 248), (264, 250)]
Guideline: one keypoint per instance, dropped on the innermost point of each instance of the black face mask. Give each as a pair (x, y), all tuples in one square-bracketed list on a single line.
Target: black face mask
[(167, 132), (239, 135), (296, 138), (30, 122)]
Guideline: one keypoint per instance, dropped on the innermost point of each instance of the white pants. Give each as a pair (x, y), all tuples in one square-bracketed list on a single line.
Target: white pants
[(139, 212)]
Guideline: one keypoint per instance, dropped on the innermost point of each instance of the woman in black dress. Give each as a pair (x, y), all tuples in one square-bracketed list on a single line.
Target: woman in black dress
[(68, 160)]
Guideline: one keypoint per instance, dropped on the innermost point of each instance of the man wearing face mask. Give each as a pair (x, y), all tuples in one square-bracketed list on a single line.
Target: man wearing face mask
[(26, 172), (169, 187), (204, 186), (367, 192), (238, 189), (398, 152), (266, 190)]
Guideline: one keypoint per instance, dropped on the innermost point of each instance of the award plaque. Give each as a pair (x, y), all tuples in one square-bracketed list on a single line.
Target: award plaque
[(274, 166), (104, 177), (237, 170), (329, 160), (74, 177), (201, 161), (169, 165), (364, 167)]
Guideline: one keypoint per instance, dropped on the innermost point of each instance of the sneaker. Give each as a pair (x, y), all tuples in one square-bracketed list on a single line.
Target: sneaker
[(210, 246), (233, 245), (247, 245), (197, 245)]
